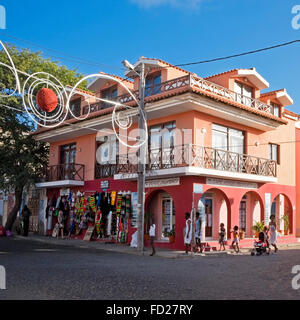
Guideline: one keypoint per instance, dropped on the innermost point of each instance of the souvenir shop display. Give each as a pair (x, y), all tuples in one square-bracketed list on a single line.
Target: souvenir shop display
[(106, 213)]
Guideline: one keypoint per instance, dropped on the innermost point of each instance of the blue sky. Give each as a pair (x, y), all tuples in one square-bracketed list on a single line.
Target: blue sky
[(178, 31)]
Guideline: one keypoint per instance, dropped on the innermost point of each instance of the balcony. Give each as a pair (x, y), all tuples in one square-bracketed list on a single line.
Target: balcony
[(194, 160), (63, 175), (189, 81)]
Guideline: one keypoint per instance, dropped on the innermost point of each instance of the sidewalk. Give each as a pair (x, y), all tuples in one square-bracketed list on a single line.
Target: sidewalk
[(126, 249)]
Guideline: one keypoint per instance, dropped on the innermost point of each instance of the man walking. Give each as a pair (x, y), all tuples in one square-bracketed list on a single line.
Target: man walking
[(26, 213)]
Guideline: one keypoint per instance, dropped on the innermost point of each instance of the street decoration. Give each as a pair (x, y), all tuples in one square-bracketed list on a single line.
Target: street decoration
[(47, 101)]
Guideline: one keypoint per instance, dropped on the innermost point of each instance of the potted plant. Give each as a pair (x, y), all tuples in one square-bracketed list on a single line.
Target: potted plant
[(286, 223), (258, 227), (172, 236)]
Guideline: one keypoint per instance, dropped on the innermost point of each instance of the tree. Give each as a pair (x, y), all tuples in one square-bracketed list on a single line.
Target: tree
[(22, 158)]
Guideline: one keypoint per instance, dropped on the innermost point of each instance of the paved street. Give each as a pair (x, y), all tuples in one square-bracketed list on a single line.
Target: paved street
[(37, 270)]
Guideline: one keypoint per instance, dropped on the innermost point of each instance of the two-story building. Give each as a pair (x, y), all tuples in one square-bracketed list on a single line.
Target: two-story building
[(225, 137)]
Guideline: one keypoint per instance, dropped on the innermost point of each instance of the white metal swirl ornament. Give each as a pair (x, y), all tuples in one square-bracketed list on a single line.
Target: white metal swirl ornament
[(30, 88), (120, 118), (13, 69)]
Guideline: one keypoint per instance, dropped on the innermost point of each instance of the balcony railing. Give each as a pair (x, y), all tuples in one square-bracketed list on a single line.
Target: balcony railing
[(192, 155), (60, 172), (184, 82)]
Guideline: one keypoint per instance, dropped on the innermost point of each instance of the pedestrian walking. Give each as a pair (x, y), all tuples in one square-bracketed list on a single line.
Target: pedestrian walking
[(188, 232), (152, 236), (60, 223), (267, 238), (273, 232), (235, 241), (198, 231), (25, 214), (222, 234)]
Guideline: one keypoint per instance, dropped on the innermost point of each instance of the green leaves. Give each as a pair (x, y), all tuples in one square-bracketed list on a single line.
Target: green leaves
[(22, 159)]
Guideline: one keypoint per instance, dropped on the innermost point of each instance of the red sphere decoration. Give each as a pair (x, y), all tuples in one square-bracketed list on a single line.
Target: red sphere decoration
[(46, 99)]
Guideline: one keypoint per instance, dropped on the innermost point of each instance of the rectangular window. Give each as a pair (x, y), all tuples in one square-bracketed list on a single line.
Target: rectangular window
[(68, 153), (228, 139), (244, 93), (109, 94), (153, 83), (274, 152), (275, 109), (161, 143), (67, 161), (75, 107)]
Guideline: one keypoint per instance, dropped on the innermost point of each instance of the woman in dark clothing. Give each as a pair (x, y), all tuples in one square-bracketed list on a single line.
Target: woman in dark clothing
[(26, 213)]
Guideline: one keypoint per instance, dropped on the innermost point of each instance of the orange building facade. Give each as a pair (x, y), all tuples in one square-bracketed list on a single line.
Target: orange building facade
[(217, 144)]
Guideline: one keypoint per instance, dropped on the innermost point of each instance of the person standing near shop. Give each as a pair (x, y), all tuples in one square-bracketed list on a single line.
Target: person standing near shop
[(188, 232), (26, 213), (152, 236), (198, 233)]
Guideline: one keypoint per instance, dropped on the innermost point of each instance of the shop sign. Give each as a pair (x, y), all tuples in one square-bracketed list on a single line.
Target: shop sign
[(231, 183), (267, 208), (64, 192), (134, 211), (105, 184), (198, 188), (162, 183)]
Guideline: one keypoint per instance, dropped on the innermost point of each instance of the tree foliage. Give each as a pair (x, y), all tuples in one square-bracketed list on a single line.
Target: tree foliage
[(22, 158)]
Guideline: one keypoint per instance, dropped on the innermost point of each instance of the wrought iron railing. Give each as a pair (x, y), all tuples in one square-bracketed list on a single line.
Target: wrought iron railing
[(71, 171)]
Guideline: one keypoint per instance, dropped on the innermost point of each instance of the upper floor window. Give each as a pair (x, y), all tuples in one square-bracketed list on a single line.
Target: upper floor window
[(75, 107), (162, 135), (245, 93), (107, 150), (153, 83), (109, 94), (274, 152), (228, 139), (68, 153), (275, 109)]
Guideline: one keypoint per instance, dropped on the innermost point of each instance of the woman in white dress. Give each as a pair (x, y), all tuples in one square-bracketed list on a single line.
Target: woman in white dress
[(273, 232), (188, 232)]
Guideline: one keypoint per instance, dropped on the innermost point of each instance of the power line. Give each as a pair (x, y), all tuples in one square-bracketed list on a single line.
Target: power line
[(239, 54)]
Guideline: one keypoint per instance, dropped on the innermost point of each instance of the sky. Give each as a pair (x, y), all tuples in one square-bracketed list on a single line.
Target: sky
[(178, 31)]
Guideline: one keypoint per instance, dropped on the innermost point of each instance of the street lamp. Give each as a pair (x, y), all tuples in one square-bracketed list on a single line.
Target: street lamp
[(142, 150)]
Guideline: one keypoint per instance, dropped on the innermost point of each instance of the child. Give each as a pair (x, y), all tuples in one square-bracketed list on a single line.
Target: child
[(235, 241), (222, 234), (266, 237)]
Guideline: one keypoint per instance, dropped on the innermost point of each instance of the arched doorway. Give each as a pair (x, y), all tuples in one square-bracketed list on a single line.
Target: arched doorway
[(160, 206), (283, 210), (250, 212), (215, 208)]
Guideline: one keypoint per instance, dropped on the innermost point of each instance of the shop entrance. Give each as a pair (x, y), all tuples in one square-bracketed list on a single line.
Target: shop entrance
[(208, 216), (243, 214), (161, 207)]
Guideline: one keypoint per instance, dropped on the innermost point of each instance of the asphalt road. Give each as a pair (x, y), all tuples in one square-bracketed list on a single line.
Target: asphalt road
[(47, 271)]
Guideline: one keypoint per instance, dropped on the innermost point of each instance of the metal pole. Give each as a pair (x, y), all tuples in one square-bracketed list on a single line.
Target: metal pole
[(141, 161)]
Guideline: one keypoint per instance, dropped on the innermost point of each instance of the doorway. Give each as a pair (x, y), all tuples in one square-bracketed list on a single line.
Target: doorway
[(208, 217)]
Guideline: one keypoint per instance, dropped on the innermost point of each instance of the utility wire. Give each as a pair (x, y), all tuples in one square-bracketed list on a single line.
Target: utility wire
[(92, 63), (239, 54)]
